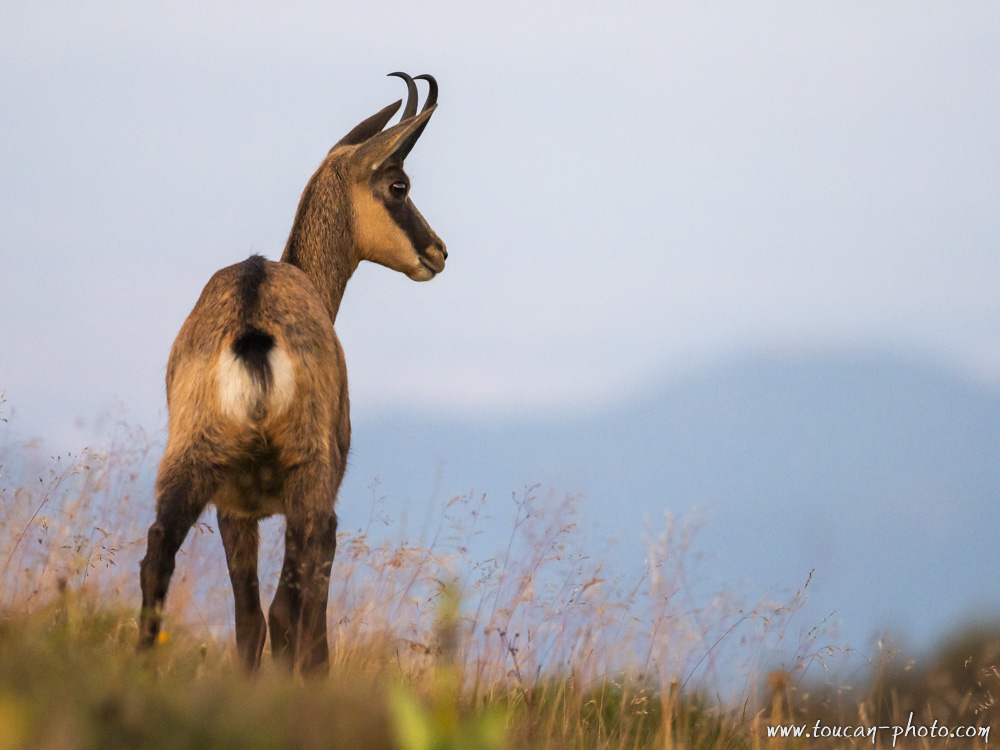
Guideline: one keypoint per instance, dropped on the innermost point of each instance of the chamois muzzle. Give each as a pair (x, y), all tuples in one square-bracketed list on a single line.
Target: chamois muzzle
[(433, 258)]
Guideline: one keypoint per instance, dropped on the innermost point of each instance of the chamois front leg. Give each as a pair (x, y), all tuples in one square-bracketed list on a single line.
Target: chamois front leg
[(241, 540), (179, 503), (285, 606)]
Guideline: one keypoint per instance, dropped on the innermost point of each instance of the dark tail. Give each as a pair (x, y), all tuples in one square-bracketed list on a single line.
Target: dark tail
[(252, 348), (253, 345)]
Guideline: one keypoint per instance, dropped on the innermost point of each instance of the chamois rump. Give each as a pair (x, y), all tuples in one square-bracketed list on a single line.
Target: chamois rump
[(259, 420)]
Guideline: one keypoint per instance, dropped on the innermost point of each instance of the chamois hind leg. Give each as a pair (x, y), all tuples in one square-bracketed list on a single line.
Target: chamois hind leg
[(241, 539), (319, 530), (181, 497), (298, 612)]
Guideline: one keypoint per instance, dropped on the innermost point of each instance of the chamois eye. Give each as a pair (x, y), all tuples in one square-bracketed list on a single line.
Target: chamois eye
[(398, 189)]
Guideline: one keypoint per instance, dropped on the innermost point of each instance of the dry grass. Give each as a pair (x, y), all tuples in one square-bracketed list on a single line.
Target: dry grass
[(537, 646)]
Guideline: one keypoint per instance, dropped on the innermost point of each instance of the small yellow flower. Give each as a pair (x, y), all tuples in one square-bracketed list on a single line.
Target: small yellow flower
[(163, 637)]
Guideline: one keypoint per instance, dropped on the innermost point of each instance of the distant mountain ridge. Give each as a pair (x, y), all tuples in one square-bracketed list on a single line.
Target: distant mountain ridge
[(880, 473)]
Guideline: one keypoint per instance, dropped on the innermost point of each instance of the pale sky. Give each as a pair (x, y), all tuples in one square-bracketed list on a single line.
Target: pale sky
[(626, 191)]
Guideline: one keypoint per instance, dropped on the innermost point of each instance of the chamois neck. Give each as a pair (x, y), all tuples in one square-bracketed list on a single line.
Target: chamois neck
[(321, 242)]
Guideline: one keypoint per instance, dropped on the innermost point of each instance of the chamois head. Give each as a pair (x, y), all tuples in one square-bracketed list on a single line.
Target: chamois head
[(386, 227)]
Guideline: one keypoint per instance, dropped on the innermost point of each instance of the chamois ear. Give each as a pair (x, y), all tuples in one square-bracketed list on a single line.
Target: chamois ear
[(367, 128), (394, 143)]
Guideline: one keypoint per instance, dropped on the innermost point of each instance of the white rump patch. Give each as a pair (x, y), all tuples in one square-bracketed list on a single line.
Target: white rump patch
[(240, 395), (238, 391), (282, 380)]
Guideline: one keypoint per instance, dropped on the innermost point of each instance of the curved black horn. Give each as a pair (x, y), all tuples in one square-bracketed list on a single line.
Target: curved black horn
[(432, 95), (411, 96)]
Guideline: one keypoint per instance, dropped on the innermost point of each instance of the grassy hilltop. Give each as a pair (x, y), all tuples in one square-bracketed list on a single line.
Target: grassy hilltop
[(536, 647)]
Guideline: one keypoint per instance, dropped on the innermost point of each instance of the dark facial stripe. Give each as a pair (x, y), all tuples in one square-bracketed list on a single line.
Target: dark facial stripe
[(407, 218)]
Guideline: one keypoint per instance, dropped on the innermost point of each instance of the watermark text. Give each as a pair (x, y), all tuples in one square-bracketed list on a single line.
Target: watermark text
[(898, 732)]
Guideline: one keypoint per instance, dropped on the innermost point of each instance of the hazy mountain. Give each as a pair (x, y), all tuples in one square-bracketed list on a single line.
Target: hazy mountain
[(881, 474)]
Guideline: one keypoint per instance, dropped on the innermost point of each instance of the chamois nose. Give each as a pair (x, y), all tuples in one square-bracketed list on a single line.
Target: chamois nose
[(443, 249)]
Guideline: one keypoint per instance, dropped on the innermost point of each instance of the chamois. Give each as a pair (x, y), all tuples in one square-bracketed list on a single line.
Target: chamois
[(259, 420)]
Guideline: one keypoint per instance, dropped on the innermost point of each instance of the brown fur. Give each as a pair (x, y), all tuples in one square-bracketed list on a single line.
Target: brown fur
[(257, 394)]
